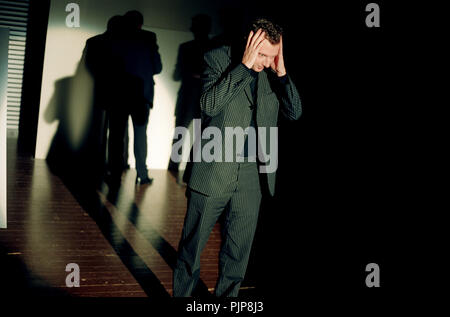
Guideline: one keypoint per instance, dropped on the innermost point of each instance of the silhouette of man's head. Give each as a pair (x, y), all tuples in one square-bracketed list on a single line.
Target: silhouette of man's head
[(114, 23), (201, 24), (134, 19)]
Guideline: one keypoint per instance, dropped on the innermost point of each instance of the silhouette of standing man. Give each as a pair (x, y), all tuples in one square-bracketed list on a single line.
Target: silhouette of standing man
[(142, 61), (123, 61), (188, 69), (106, 69)]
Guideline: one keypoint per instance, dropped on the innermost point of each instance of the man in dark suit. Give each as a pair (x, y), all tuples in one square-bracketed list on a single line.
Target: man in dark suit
[(123, 61), (246, 94), (142, 61)]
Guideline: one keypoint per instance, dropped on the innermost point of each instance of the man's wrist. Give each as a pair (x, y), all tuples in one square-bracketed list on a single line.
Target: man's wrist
[(250, 71), (282, 79)]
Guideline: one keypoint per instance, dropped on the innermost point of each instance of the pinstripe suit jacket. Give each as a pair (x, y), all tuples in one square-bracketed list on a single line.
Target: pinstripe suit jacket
[(227, 101)]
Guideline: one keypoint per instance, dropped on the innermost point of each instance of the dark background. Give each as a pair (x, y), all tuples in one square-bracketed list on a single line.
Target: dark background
[(349, 171)]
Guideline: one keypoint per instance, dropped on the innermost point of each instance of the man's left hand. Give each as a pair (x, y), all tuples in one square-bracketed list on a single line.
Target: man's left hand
[(278, 62)]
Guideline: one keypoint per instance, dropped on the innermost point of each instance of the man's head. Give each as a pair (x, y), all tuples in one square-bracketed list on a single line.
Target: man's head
[(115, 24), (134, 19), (201, 25), (270, 48)]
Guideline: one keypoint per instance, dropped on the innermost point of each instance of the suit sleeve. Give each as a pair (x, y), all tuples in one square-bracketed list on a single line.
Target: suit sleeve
[(157, 63), (179, 67), (290, 103), (220, 85), (156, 58), (91, 58)]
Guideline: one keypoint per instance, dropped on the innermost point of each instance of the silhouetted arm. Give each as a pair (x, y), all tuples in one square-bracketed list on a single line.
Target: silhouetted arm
[(157, 60), (150, 37), (178, 72)]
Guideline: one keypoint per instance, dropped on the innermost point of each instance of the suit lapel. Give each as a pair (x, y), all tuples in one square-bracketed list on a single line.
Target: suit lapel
[(262, 92), (263, 88), (248, 92)]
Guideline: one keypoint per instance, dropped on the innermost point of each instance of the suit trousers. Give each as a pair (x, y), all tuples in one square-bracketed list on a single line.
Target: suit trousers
[(240, 202), (140, 124), (117, 126), (140, 149)]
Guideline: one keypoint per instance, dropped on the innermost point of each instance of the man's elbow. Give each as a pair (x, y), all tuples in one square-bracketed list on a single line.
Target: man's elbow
[(295, 113), (207, 106), (298, 112), (208, 110)]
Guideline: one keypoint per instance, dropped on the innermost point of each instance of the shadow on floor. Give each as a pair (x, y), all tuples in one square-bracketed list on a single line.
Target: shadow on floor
[(90, 201), (16, 281)]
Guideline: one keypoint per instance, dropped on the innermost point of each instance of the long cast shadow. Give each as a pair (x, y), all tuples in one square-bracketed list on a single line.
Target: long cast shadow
[(91, 203), (164, 248)]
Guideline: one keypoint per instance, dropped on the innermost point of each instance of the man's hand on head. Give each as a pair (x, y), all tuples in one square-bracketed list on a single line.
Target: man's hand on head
[(278, 62), (254, 43)]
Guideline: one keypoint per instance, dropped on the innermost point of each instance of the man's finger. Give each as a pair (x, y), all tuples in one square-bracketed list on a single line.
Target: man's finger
[(250, 35), (255, 37), (261, 37), (260, 44), (281, 44), (273, 66)]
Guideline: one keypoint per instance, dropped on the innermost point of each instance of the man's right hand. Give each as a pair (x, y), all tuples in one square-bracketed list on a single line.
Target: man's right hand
[(254, 43)]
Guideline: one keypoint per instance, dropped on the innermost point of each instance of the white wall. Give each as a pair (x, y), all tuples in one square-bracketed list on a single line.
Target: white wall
[(64, 49)]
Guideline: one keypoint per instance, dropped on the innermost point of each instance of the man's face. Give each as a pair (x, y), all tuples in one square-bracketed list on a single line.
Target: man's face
[(266, 55)]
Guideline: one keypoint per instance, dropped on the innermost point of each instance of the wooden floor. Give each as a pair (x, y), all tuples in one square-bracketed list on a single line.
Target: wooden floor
[(126, 249)]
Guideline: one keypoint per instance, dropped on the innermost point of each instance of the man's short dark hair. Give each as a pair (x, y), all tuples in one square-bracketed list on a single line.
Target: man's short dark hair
[(272, 30), (134, 18), (115, 23), (201, 23)]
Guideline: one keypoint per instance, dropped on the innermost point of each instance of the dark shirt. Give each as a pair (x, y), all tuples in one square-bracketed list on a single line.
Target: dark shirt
[(254, 89)]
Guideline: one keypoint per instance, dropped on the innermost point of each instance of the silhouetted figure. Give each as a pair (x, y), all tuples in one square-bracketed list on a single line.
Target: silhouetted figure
[(107, 69), (142, 62), (188, 69), (78, 150), (232, 24), (122, 62)]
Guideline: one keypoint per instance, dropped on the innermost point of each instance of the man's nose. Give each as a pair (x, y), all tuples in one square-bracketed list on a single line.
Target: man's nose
[(267, 62)]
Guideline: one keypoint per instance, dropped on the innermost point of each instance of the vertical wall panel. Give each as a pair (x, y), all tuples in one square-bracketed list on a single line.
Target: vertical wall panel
[(14, 15), (4, 38)]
